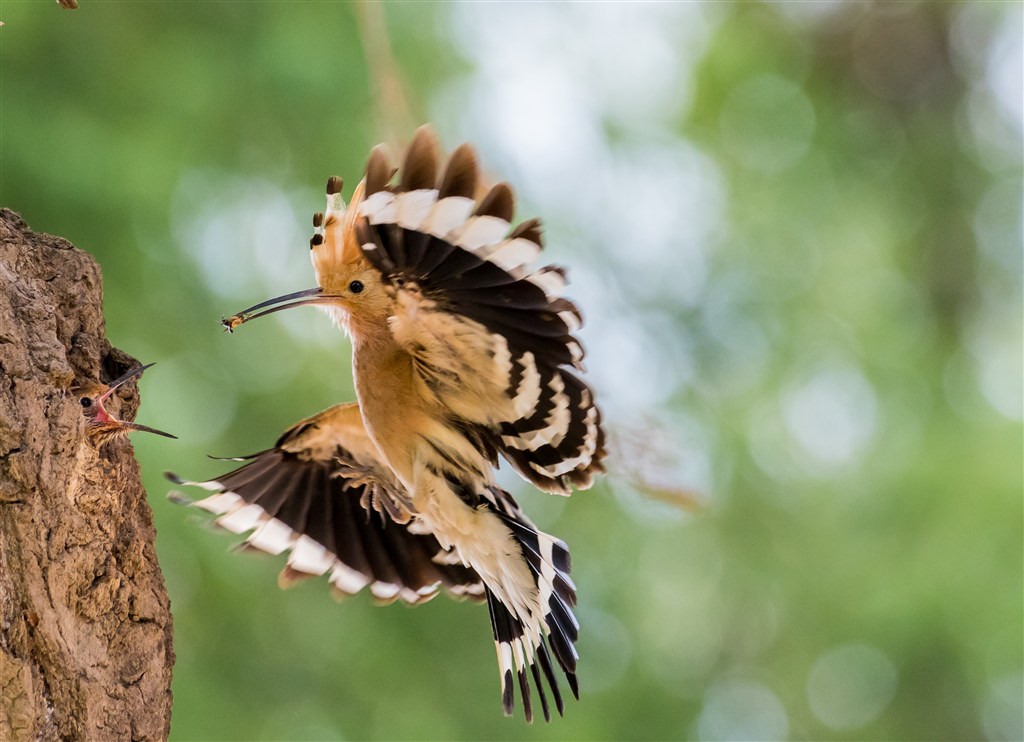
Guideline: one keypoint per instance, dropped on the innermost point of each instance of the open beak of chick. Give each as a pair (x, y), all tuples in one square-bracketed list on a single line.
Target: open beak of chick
[(101, 426)]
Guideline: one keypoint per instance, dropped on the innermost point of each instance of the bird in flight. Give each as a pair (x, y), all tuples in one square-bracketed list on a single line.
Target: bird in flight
[(100, 426), (463, 352)]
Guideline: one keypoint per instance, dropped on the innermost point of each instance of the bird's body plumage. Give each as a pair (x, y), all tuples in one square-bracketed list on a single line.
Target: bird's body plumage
[(462, 352)]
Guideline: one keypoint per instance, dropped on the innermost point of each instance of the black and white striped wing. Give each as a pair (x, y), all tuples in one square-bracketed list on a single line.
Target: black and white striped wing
[(492, 337), (313, 496)]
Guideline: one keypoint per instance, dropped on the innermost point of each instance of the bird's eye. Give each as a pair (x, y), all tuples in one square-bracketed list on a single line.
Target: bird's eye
[(356, 287), (86, 402)]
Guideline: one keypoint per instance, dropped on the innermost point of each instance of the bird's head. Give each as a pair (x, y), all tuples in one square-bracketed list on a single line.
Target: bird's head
[(349, 288), (101, 426)]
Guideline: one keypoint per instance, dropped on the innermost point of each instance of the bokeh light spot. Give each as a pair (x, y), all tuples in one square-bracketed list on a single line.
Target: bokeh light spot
[(767, 123), (850, 685), (831, 415), (1002, 712), (742, 710)]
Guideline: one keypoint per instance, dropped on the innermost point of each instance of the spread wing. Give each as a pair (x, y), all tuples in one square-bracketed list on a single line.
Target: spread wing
[(322, 495), (490, 334)]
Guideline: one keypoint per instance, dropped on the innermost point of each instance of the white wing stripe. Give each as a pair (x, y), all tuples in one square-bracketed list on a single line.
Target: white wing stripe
[(385, 590), (347, 579), (380, 208), (550, 281), (414, 207), (512, 254), (242, 519), (560, 417), (219, 503), (310, 557), (528, 392), (272, 537), (480, 231), (447, 214), (571, 320)]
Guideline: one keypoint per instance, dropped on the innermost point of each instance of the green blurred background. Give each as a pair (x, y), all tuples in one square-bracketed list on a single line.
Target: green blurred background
[(795, 229)]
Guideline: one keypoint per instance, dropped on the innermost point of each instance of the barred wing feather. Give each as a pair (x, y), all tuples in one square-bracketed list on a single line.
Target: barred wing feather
[(314, 495), (491, 335)]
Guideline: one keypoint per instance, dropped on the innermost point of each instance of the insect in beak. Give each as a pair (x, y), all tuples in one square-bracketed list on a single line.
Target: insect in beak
[(297, 299)]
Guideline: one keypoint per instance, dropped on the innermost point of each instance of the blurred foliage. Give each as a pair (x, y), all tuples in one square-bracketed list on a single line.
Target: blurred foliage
[(796, 231)]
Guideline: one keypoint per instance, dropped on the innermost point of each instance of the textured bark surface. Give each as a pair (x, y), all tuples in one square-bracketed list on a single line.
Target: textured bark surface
[(85, 623)]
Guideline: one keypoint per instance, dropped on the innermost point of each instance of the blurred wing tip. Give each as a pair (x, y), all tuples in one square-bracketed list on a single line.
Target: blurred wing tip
[(179, 498), (171, 476)]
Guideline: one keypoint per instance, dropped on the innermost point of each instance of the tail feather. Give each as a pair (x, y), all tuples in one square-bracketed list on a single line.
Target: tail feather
[(527, 641), (550, 562), (514, 656), (540, 692)]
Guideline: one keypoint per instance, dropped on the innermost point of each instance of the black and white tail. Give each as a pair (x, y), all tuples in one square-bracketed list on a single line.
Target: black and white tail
[(526, 644)]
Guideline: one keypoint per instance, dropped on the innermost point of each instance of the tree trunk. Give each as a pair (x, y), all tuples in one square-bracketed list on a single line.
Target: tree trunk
[(85, 622)]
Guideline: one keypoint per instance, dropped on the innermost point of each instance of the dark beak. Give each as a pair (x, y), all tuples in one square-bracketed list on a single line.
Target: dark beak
[(288, 301), (147, 429), (137, 371)]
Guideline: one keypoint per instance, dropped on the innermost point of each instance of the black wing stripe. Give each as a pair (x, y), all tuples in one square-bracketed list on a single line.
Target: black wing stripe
[(388, 581), (298, 493), (415, 572), (437, 252), (483, 276), (519, 295), (346, 529), (417, 245), (456, 263), (392, 243), (507, 320), (374, 248), (253, 471), (270, 491), (321, 510)]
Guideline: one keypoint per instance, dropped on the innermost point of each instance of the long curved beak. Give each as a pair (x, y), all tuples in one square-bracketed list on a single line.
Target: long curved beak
[(137, 371), (288, 301), (147, 429)]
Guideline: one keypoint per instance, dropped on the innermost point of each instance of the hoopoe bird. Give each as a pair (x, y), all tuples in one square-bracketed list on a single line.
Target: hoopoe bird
[(462, 351), (101, 427)]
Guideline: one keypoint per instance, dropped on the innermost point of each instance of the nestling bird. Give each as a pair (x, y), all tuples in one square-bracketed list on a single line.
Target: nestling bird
[(462, 350), (100, 426)]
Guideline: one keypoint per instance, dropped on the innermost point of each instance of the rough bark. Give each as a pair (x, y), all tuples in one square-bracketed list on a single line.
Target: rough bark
[(85, 622)]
